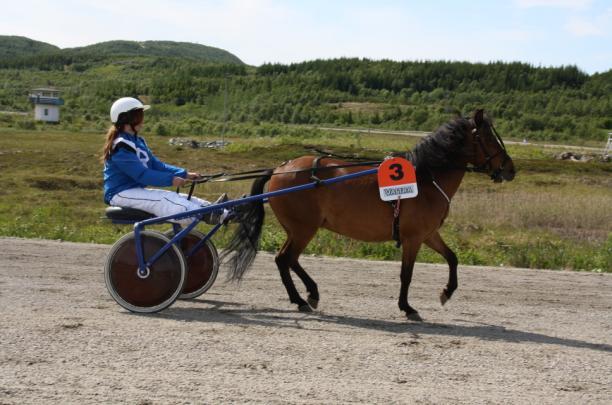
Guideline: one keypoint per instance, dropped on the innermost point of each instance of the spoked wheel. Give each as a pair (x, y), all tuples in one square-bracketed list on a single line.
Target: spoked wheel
[(202, 266), (159, 289)]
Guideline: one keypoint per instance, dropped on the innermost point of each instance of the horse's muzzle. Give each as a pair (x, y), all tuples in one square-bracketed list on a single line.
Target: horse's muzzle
[(506, 172), (509, 175)]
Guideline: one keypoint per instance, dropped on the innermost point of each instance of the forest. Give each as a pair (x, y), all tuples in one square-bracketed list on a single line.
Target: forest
[(197, 96)]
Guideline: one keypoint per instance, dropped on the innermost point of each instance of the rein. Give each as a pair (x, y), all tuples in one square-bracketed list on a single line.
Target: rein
[(485, 167), (254, 174)]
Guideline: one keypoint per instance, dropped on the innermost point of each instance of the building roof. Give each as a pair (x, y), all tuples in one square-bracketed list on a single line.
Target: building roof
[(46, 100), (45, 89)]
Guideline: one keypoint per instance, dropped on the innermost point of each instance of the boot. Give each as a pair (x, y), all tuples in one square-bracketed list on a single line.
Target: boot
[(237, 210), (213, 217)]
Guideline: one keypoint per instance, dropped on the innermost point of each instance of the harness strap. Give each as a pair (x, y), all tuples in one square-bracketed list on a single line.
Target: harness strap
[(314, 168), (395, 226), (441, 191), (445, 197)]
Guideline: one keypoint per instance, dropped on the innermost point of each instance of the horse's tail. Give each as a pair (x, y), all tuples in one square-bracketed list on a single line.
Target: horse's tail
[(245, 242)]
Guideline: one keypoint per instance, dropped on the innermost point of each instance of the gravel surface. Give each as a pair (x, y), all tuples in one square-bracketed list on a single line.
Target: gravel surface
[(507, 336)]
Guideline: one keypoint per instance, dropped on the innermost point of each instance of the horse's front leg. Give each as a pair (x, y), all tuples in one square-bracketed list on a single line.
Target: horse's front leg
[(436, 243), (409, 252)]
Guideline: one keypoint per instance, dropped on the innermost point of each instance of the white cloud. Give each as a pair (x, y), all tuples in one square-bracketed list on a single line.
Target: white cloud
[(516, 35), (574, 4), (598, 26), (581, 27)]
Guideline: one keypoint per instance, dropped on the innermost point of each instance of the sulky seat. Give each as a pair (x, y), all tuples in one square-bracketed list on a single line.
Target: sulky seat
[(127, 214)]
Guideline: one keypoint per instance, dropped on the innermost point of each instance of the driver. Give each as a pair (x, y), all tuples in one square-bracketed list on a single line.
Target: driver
[(130, 166)]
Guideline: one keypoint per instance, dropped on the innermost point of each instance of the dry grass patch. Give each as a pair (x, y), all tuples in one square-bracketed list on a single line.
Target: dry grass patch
[(579, 213)]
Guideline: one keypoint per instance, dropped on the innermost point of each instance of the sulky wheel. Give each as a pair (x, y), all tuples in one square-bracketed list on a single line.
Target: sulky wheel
[(202, 266), (152, 293)]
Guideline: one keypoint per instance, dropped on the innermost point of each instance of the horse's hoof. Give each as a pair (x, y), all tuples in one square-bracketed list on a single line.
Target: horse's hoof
[(414, 316), (443, 297), (305, 308), (313, 303)]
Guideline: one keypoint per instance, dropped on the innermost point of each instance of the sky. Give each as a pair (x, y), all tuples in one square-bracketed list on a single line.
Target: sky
[(539, 32)]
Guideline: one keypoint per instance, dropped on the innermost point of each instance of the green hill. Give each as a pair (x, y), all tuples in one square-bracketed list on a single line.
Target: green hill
[(14, 46), (25, 52), (185, 50)]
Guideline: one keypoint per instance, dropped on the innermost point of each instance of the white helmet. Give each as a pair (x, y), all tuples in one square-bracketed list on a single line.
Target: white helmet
[(125, 104)]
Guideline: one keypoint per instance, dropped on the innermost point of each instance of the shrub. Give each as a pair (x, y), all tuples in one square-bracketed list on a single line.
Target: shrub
[(26, 124)]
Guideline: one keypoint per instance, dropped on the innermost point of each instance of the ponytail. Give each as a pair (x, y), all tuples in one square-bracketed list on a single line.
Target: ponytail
[(111, 134)]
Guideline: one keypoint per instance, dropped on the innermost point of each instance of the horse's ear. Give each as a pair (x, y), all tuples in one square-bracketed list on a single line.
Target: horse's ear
[(479, 117)]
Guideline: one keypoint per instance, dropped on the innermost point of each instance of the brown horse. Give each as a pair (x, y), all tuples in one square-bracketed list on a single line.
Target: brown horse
[(353, 208)]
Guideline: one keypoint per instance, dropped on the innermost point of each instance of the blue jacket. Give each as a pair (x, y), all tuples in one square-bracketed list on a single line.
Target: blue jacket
[(132, 164)]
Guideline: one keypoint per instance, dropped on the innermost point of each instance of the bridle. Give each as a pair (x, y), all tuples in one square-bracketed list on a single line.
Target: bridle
[(486, 166)]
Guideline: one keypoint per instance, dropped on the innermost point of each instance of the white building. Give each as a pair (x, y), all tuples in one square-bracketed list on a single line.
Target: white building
[(46, 104)]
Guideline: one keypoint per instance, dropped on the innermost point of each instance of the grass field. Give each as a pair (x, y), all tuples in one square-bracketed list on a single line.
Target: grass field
[(556, 214)]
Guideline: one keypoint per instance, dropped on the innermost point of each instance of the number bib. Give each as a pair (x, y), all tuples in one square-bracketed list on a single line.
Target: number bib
[(397, 179)]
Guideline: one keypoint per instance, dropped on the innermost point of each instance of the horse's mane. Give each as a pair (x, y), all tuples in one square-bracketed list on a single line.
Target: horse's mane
[(441, 149)]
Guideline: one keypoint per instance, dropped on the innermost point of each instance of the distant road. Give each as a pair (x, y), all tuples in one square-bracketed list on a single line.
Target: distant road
[(376, 131), (14, 112), (424, 133)]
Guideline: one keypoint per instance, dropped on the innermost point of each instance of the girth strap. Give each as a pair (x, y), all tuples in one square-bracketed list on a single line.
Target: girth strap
[(395, 226)]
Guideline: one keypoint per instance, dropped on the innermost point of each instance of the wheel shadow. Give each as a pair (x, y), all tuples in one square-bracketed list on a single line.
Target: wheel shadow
[(242, 314)]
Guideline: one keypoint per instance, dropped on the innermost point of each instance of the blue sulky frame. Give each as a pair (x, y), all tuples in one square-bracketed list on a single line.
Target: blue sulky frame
[(143, 266)]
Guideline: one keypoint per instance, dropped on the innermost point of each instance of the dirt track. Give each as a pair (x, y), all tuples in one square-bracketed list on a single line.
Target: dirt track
[(508, 335)]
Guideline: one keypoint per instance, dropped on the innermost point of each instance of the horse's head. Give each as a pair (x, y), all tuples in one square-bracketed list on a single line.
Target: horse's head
[(489, 152)]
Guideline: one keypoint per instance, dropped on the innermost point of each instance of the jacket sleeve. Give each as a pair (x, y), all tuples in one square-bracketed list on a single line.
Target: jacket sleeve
[(157, 164), (129, 164)]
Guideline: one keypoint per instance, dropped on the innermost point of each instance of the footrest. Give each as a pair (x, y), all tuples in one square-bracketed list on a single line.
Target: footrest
[(127, 214)]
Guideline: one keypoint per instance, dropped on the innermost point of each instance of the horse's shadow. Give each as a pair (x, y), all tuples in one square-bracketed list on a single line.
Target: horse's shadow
[(241, 314)]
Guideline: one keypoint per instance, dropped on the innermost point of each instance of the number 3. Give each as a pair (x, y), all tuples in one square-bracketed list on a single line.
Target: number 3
[(399, 173)]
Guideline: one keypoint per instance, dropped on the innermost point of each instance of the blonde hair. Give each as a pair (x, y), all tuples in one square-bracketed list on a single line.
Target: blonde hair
[(111, 134)]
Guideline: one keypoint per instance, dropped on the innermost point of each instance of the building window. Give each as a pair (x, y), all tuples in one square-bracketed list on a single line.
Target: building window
[(46, 112)]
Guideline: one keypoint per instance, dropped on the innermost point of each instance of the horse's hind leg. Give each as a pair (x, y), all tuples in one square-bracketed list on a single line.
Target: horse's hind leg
[(311, 286), (295, 250), (287, 258), (436, 243)]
